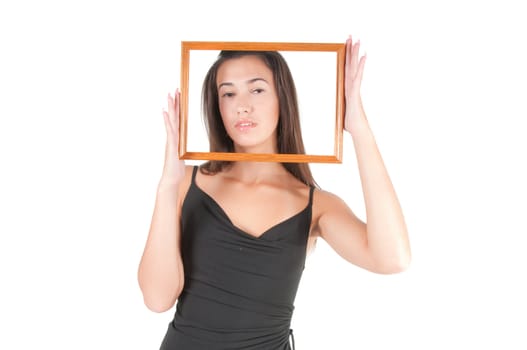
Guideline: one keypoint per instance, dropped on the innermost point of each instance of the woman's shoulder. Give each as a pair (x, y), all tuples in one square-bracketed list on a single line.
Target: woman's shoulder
[(189, 169), (326, 197), (185, 183), (325, 202)]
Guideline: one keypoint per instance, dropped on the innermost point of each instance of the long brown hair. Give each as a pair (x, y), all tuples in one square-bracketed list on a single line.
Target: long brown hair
[(289, 135)]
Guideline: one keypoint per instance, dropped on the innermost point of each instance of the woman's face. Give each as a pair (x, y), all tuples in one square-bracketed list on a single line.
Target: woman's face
[(248, 104)]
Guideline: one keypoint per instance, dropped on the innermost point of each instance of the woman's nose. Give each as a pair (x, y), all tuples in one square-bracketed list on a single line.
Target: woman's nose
[(243, 109)]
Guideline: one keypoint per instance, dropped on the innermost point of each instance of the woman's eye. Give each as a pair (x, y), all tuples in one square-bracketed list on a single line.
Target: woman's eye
[(227, 94), (257, 91)]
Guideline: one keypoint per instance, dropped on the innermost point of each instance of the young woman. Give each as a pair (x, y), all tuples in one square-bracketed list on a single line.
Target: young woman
[(229, 240)]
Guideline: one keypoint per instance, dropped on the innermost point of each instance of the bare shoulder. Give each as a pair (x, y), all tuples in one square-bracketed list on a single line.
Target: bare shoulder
[(330, 211), (185, 184), (326, 201)]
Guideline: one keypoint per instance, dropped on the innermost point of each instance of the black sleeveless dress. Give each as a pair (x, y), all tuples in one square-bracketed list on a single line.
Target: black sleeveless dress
[(239, 289)]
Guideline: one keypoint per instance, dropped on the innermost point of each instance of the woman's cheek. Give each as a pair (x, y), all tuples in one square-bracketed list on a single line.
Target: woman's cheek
[(225, 107)]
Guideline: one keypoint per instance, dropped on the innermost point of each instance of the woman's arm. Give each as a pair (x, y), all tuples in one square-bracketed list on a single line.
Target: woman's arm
[(160, 272), (381, 244)]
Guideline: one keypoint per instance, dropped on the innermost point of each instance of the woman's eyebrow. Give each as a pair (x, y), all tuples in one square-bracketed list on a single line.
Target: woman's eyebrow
[(250, 81), (257, 79), (225, 84)]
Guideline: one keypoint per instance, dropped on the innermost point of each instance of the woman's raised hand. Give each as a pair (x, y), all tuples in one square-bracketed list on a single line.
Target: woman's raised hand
[(174, 168), (352, 82)]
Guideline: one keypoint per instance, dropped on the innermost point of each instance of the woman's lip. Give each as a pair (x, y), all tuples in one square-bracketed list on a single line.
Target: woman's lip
[(244, 124)]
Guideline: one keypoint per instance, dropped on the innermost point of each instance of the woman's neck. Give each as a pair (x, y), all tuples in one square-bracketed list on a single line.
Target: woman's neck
[(256, 172)]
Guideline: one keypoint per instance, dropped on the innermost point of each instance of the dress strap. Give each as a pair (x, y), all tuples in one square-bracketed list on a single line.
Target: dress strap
[(291, 336), (311, 190), (194, 171)]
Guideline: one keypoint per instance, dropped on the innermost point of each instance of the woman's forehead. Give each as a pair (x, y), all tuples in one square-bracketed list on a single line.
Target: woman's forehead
[(243, 68)]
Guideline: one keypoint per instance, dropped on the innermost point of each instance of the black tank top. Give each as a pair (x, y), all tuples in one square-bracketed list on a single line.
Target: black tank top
[(239, 289)]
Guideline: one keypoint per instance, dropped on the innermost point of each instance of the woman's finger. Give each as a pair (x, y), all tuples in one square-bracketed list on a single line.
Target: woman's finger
[(168, 125), (348, 76), (355, 58), (177, 96), (349, 45), (360, 70), (170, 108)]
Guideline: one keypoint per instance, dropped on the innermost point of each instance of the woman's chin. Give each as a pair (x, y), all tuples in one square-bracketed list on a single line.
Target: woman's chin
[(252, 144), (252, 148)]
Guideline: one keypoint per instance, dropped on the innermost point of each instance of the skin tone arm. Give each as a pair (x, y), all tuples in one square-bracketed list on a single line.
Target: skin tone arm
[(381, 244), (160, 272)]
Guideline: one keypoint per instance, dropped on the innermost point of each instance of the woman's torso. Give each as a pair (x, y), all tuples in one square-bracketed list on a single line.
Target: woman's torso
[(243, 259)]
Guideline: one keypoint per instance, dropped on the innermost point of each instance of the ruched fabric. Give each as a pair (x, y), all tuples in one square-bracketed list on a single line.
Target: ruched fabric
[(239, 289)]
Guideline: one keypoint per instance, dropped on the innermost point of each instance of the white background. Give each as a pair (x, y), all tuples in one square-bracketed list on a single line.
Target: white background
[(82, 84)]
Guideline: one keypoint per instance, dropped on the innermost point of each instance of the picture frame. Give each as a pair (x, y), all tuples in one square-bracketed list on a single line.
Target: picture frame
[(321, 67)]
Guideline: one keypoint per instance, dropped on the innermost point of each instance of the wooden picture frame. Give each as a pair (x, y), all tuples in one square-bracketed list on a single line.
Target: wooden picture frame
[(335, 72)]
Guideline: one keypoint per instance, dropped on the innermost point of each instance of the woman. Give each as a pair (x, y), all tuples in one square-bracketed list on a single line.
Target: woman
[(229, 241)]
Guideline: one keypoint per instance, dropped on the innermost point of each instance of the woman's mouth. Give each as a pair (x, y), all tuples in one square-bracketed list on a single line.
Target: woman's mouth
[(244, 125)]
